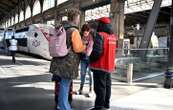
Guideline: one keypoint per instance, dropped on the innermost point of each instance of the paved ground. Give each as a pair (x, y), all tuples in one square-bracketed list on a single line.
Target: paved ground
[(27, 86)]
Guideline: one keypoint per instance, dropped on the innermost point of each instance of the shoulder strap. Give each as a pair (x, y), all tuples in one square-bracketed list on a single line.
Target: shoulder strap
[(66, 28), (69, 29)]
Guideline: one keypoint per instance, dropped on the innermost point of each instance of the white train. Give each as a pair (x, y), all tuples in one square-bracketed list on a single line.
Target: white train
[(1, 37), (34, 39), (5, 34)]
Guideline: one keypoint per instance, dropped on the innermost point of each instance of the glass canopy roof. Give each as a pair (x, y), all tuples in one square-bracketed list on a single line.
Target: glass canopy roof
[(131, 6)]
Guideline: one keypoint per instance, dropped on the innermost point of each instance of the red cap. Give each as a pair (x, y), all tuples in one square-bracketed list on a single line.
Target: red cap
[(105, 20)]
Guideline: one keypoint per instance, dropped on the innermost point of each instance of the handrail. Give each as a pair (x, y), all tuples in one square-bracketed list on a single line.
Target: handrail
[(144, 49)]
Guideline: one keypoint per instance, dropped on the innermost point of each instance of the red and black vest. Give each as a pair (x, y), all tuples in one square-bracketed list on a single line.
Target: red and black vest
[(107, 60)]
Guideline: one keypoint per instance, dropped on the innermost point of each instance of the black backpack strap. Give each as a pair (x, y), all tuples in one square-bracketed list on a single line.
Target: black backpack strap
[(69, 28), (66, 28)]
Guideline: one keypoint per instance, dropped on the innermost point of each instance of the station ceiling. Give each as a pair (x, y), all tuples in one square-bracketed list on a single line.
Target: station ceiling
[(142, 17), (7, 6)]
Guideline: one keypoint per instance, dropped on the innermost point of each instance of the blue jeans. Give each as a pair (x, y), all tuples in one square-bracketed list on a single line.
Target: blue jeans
[(63, 94), (84, 66)]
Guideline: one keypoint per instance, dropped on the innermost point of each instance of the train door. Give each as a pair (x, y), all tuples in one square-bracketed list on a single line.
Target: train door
[(22, 39)]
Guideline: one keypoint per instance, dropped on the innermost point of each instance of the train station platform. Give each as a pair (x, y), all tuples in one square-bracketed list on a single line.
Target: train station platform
[(27, 86)]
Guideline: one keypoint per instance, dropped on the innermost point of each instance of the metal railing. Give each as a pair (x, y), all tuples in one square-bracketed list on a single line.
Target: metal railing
[(154, 64)]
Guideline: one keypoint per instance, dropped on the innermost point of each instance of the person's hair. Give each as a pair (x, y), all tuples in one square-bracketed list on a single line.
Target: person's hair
[(102, 27), (85, 27), (93, 24), (72, 13)]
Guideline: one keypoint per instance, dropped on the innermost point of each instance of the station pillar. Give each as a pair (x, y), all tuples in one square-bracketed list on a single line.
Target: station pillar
[(56, 13), (117, 15), (31, 18), (82, 18), (77, 3), (168, 83)]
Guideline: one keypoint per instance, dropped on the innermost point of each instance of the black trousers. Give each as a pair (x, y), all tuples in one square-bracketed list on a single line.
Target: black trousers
[(102, 88), (13, 54)]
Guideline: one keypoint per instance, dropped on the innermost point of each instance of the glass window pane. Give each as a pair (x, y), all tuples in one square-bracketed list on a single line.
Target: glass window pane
[(98, 12), (21, 16), (36, 8), (28, 12), (61, 1), (64, 18), (48, 4), (12, 20), (132, 6), (51, 22), (16, 18)]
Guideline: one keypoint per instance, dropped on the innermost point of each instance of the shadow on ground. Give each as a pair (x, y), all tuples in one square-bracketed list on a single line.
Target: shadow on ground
[(25, 98)]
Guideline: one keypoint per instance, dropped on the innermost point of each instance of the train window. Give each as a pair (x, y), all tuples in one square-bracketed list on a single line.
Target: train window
[(22, 30), (22, 42), (35, 34)]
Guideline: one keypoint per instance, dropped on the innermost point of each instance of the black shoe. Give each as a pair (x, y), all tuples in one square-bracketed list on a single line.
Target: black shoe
[(168, 83), (80, 92), (107, 107)]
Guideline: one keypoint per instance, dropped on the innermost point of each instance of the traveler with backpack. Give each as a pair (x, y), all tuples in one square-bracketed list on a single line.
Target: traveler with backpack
[(104, 65), (88, 41), (66, 59), (58, 48)]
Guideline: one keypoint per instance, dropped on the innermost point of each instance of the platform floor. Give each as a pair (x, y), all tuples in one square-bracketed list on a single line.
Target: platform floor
[(27, 86)]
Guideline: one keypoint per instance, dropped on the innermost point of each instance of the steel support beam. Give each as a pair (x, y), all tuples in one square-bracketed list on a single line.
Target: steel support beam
[(171, 40), (13, 2), (169, 74), (117, 15), (82, 18), (42, 14), (55, 11), (6, 5), (150, 26), (90, 4), (4, 11)]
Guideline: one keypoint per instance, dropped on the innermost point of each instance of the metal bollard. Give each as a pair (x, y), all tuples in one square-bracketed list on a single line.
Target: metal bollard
[(130, 74)]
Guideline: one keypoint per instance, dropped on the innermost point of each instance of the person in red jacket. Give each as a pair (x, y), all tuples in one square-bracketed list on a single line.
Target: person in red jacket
[(104, 66)]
